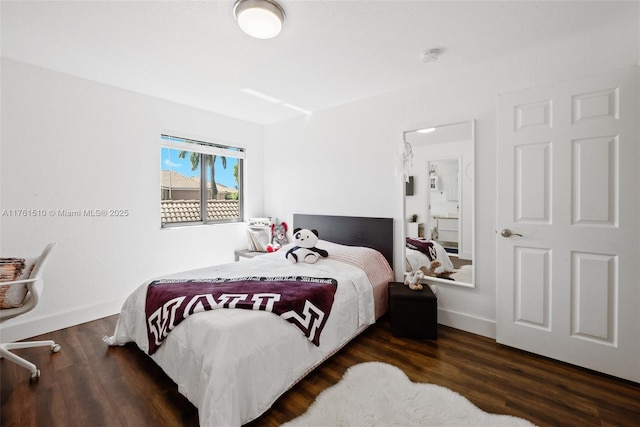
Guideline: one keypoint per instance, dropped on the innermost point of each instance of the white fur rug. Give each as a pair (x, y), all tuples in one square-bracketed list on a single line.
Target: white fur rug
[(378, 394)]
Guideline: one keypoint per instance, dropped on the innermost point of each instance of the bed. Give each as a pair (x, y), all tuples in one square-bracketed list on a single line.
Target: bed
[(233, 363), (421, 252)]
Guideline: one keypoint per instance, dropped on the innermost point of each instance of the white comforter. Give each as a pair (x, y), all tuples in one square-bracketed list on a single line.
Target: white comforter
[(232, 364)]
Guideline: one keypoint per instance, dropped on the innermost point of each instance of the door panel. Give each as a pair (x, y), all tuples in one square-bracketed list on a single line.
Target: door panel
[(568, 277), (595, 183), (532, 287), (594, 290), (533, 178)]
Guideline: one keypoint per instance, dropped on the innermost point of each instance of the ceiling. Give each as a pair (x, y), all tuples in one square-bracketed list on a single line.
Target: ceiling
[(330, 52)]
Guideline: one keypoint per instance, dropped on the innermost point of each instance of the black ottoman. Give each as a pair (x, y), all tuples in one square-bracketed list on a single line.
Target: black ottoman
[(413, 314)]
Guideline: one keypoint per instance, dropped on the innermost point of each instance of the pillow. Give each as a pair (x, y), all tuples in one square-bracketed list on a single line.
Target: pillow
[(372, 262), (12, 296)]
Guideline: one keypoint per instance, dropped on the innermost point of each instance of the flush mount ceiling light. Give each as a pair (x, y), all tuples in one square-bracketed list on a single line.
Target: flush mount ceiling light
[(427, 130), (262, 19)]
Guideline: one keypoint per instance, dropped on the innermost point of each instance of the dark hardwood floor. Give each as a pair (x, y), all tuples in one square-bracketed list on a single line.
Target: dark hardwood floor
[(90, 384)]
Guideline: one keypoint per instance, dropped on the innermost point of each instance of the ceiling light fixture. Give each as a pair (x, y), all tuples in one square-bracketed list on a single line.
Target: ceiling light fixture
[(427, 130), (262, 19)]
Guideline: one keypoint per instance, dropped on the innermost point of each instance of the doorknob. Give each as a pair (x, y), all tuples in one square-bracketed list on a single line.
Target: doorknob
[(507, 233)]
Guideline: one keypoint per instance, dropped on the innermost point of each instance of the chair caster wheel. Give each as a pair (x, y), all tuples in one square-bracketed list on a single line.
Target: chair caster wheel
[(35, 375), (55, 348)]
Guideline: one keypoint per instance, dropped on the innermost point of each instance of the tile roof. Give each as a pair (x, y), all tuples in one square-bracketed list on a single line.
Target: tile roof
[(176, 180), (173, 211)]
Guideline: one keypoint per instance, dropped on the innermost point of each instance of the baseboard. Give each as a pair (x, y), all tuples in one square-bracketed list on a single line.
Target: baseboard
[(465, 322), (44, 325)]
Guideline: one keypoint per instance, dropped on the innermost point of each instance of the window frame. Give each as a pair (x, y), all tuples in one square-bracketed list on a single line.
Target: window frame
[(203, 147)]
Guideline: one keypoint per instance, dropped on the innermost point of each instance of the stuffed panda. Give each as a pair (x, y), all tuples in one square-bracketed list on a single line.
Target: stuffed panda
[(305, 247)]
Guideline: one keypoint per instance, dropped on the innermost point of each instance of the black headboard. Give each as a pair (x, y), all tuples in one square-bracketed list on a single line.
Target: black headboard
[(375, 233)]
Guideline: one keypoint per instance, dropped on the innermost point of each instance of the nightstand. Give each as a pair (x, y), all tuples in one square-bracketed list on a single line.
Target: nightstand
[(246, 253), (413, 314)]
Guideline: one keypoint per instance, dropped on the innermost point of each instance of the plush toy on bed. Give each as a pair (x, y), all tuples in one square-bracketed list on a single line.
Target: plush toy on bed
[(431, 271), (278, 236), (305, 247), (412, 280)]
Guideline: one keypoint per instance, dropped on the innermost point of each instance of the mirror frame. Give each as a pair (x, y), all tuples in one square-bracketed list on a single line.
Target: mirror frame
[(464, 171)]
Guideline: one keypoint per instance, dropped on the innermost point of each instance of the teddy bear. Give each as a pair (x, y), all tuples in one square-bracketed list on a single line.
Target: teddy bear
[(431, 271), (278, 236), (412, 280), (305, 247)]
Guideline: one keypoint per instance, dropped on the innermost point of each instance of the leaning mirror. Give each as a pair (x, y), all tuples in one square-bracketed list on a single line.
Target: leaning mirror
[(439, 202)]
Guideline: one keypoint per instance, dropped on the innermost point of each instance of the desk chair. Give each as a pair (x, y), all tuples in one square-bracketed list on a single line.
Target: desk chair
[(34, 288)]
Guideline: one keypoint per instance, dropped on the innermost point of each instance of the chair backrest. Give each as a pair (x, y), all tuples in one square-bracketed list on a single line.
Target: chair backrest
[(42, 260), (31, 300)]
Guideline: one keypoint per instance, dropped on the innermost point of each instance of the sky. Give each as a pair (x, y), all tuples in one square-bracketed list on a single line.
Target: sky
[(171, 161)]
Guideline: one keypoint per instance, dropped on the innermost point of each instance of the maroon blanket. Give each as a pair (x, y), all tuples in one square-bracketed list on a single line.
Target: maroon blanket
[(304, 301), (424, 246)]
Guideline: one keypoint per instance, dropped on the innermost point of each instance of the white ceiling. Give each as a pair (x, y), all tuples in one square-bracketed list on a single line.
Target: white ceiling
[(330, 52)]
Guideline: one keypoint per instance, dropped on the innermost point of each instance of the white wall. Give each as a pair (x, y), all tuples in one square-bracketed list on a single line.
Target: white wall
[(344, 160), (69, 143)]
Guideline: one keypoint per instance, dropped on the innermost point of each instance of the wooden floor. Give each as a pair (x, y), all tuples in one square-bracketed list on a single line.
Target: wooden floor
[(90, 384)]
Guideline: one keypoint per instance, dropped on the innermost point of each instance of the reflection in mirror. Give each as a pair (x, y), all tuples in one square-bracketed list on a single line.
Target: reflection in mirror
[(439, 202)]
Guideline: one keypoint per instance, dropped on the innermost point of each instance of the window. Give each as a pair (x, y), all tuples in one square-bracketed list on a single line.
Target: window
[(201, 182)]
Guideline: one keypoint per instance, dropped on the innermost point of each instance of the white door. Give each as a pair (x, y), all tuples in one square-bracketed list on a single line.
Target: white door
[(568, 182)]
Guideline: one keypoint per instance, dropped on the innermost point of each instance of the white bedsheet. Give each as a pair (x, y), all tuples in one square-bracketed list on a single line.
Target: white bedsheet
[(232, 364)]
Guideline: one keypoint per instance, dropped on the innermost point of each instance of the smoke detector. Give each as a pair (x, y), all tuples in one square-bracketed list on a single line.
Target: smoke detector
[(431, 55)]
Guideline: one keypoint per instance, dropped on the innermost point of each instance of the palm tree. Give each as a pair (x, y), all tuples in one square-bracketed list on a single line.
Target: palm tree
[(210, 160)]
